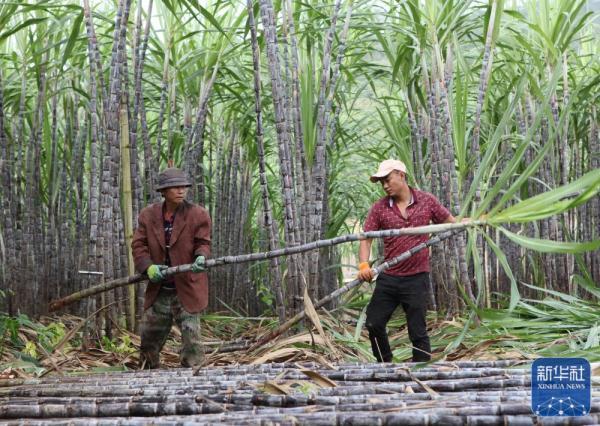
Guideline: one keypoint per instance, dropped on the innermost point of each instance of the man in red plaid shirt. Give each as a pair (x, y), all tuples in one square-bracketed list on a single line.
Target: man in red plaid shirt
[(406, 283)]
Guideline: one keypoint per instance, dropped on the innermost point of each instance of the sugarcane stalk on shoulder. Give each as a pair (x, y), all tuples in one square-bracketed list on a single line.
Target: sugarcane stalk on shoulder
[(225, 260)]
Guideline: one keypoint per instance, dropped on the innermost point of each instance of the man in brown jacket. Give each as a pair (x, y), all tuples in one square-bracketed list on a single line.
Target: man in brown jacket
[(170, 233)]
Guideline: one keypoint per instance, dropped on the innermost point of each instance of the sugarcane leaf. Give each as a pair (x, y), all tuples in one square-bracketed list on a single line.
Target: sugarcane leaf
[(27, 366), (191, 4), (548, 246), (19, 27), (477, 263), (433, 394), (312, 314), (466, 298), (3, 253), (586, 195), (566, 297), (551, 202), (360, 323), (273, 388), (514, 290), (508, 173), (584, 278), (462, 335), (229, 308), (319, 379), (8, 11), (593, 338), (384, 45), (72, 39), (492, 146), (567, 38), (498, 18), (283, 353), (587, 284)]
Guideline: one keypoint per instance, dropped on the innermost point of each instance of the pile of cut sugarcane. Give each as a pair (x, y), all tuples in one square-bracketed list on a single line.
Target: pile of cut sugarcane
[(445, 393)]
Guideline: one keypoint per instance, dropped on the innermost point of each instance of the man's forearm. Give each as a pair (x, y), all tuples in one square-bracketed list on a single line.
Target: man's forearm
[(364, 251)]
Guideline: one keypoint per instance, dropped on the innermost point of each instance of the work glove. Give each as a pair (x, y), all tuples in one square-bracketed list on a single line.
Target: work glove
[(156, 273), (364, 272), (199, 264)]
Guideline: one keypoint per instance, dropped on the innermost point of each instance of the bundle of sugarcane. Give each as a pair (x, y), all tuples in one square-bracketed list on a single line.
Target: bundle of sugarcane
[(309, 393)]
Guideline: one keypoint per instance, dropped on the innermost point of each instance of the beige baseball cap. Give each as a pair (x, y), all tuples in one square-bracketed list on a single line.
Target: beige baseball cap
[(386, 167)]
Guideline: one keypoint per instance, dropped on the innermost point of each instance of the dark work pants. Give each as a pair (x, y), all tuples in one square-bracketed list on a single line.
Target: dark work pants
[(411, 293)]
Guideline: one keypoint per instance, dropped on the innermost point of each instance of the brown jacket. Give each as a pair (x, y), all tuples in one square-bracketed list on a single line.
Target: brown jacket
[(190, 238)]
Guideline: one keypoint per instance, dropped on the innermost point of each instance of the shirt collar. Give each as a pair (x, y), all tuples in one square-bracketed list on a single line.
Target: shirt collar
[(413, 198), (178, 209)]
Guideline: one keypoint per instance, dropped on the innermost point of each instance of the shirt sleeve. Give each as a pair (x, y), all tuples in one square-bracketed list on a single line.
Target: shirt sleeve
[(372, 222), (202, 234), (439, 213), (139, 246)]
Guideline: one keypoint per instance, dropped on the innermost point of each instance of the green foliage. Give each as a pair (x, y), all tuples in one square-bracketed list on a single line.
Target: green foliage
[(10, 327), (46, 335), (552, 202), (30, 349), (51, 334), (557, 325), (120, 345), (266, 296)]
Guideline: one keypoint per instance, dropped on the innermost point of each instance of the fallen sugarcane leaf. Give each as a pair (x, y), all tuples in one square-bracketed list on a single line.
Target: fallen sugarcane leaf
[(312, 314), (433, 394), (284, 353), (320, 380), (273, 388), (428, 389)]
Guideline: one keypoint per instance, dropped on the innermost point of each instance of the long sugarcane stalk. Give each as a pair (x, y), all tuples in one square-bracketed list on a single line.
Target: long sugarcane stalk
[(219, 388), (319, 165), (291, 224), (198, 405), (334, 396), (269, 224), (226, 260), (6, 223), (458, 369), (185, 405), (275, 416), (348, 378), (344, 372), (384, 266)]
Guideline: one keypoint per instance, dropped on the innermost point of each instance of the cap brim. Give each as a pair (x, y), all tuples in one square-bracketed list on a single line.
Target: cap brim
[(378, 176), (160, 188)]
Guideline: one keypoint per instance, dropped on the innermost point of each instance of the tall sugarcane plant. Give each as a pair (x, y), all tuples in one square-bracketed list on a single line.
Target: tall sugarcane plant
[(279, 111), (452, 111)]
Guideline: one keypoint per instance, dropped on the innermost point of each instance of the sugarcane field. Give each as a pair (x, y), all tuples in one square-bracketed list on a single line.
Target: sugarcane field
[(286, 212)]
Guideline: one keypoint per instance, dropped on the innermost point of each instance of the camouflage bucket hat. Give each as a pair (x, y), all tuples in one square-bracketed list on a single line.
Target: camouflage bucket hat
[(172, 177)]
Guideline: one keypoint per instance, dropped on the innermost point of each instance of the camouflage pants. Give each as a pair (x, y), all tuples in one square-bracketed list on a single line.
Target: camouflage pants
[(156, 325)]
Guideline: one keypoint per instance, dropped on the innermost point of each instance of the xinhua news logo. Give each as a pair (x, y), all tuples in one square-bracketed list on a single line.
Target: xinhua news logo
[(561, 387)]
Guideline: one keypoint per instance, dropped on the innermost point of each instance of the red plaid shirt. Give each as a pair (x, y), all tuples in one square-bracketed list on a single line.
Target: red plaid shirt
[(423, 209)]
